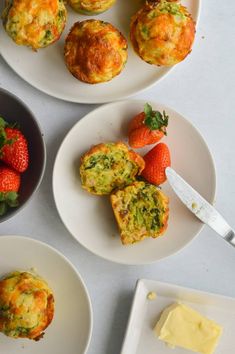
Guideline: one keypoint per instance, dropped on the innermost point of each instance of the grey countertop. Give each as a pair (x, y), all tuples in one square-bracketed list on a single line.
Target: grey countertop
[(203, 90)]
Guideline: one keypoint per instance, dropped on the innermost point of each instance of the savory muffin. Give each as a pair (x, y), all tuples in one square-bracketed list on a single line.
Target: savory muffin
[(91, 7), (162, 32), (95, 51), (26, 305), (108, 166), (34, 23), (141, 211)]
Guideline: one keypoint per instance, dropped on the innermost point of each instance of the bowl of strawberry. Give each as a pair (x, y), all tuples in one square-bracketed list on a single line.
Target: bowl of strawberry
[(22, 155)]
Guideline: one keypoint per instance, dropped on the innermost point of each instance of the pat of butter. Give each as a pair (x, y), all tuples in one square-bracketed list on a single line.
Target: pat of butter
[(179, 325)]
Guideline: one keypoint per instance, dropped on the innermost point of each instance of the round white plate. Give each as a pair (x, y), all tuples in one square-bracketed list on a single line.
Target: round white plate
[(70, 330), (46, 69), (90, 218)]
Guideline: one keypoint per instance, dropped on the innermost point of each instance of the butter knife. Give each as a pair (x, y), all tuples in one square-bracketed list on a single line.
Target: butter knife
[(199, 206)]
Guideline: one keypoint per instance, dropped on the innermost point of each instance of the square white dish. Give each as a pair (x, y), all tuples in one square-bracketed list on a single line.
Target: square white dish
[(140, 338)]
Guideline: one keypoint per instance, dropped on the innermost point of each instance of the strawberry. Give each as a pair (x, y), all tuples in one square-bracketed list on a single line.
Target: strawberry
[(136, 122), (147, 127), (156, 161), (9, 186), (13, 147)]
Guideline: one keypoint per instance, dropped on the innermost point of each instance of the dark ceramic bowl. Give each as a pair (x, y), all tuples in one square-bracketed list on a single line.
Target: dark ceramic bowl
[(12, 109)]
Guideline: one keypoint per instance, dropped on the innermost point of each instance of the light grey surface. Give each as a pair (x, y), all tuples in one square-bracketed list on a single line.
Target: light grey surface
[(201, 89)]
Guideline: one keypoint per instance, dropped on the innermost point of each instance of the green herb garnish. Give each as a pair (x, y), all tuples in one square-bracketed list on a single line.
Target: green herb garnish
[(155, 120)]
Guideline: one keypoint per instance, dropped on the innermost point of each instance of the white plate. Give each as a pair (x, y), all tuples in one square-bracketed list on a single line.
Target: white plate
[(145, 313), (70, 330), (90, 218), (46, 69)]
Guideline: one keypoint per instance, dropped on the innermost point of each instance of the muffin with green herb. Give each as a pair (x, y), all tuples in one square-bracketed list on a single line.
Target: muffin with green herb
[(35, 24), (26, 305), (162, 32), (108, 166), (141, 211)]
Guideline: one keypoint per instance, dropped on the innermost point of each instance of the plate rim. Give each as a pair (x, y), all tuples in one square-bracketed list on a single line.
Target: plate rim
[(143, 281), (101, 101), (120, 103), (78, 275)]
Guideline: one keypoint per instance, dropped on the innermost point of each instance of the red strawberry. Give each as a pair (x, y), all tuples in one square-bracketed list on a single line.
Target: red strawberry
[(147, 127), (13, 147), (9, 186), (9, 180), (136, 122), (156, 161), (144, 136)]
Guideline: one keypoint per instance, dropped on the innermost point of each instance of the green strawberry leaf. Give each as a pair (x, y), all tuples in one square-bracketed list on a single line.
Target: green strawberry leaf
[(3, 208), (8, 199), (148, 109), (3, 137), (155, 120), (11, 196), (2, 197), (13, 203), (5, 124), (12, 199), (2, 123)]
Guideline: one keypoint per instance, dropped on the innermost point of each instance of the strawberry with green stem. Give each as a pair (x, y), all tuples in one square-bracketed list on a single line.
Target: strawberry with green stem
[(9, 186), (148, 127), (13, 147)]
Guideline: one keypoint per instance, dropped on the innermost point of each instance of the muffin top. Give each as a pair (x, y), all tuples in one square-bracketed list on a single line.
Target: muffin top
[(34, 23), (162, 33), (95, 51), (26, 305), (91, 7)]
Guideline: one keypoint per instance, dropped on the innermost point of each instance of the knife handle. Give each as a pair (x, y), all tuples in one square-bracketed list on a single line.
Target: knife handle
[(230, 237)]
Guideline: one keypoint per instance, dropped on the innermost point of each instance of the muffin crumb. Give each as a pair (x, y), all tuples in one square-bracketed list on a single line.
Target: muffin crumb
[(151, 295)]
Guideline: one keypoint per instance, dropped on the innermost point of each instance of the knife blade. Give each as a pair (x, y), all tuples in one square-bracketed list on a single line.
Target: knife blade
[(199, 206)]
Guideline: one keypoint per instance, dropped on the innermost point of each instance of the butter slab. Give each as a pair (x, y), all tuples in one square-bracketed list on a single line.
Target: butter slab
[(180, 325)]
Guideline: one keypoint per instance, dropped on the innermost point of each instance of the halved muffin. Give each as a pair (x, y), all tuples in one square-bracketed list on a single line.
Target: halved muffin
[(106, 167), (162, 32), (91, 7), (141, 211), (95, 51), (34, 23), (26, 305)]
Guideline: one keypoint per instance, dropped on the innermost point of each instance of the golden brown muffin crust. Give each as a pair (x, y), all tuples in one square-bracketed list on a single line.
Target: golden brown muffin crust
[(26, 305), (95, 51), (36, 24), (162, 32)]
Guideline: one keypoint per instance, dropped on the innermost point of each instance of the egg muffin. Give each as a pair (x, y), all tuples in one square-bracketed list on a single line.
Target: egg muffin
[(91, 7), (26, 305), (95, 51), (34, 23), (108, 166), (162, 32), (141, 211)]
